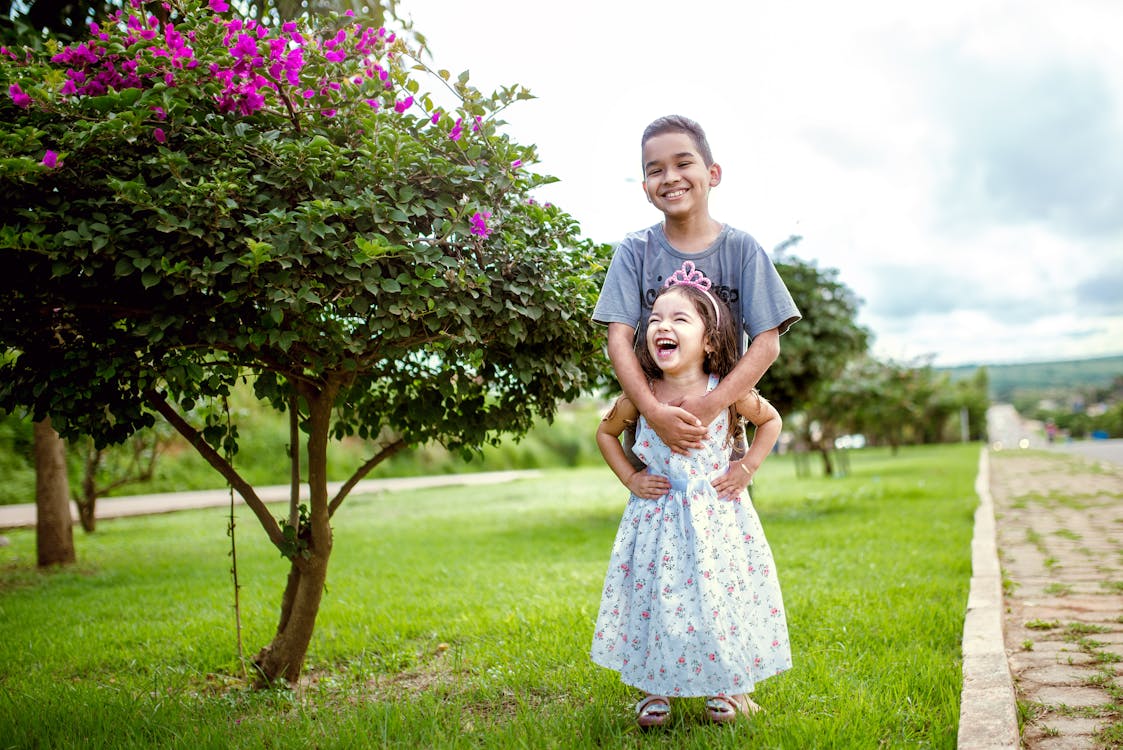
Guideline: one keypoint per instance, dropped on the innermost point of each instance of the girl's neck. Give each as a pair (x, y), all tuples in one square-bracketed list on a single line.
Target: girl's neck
[(674, 386)]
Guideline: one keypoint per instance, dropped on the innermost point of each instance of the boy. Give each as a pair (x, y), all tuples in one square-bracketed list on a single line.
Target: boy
[(679, 172)]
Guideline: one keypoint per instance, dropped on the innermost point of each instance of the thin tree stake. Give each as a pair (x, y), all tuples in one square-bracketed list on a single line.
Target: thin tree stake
[(234, 554)]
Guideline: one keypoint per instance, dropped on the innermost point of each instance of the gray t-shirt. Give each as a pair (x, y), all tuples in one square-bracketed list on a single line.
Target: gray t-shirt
[(741, 272)]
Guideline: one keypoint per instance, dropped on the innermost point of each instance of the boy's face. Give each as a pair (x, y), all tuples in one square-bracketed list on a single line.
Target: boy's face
[(676, 178)]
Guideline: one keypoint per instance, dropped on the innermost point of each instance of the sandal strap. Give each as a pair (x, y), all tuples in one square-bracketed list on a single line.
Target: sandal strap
[(722, 704), (654, 705), (727, 705)]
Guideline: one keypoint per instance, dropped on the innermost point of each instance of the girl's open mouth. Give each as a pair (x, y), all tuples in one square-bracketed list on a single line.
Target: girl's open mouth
[(664, 346)]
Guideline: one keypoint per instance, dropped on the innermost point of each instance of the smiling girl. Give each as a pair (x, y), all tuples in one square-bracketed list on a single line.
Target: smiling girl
[(691, 605)]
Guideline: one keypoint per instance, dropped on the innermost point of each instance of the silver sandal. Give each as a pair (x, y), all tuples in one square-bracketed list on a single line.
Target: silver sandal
[(722, 708), (653, 711)]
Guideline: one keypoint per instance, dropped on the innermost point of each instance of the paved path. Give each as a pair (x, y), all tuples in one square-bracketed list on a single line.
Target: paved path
[(1060, 541), (1045, 619), (17, 516)]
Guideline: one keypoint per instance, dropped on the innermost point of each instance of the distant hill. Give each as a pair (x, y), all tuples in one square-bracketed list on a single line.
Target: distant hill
[(1008, 381)]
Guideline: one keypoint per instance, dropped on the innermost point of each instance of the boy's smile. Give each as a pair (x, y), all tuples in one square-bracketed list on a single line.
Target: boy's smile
[(677, 180)]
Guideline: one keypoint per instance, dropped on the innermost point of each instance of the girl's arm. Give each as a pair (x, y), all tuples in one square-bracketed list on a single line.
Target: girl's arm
[(641, 484), (767, 423)]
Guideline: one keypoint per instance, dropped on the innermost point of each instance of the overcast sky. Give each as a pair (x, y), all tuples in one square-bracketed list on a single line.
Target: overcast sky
[(959, 163)]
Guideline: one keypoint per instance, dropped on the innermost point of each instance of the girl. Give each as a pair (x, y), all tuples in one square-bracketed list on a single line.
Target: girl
[(691, 605)]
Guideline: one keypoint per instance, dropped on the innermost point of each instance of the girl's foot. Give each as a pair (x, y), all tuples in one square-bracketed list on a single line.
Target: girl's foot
[(653, 711), (722, 708)]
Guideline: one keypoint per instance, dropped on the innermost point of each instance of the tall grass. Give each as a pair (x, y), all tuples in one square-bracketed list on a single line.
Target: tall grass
[(461, 618)]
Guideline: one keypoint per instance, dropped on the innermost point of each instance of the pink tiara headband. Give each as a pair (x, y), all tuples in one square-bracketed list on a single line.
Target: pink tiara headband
[(688, 275)]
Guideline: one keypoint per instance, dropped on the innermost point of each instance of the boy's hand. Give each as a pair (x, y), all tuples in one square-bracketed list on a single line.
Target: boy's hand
[(648, 486), (704, 407), (733, 482), (677, 428)]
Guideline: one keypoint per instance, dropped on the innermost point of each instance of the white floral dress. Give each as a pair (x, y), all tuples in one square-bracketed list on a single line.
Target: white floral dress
[(691, 603)]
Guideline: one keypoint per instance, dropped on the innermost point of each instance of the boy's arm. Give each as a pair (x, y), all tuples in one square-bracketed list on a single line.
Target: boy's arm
[(762, 352), (678, 428), (767, 423), (640, 483)]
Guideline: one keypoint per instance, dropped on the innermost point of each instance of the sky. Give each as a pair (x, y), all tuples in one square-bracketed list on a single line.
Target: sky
[(959, 163)]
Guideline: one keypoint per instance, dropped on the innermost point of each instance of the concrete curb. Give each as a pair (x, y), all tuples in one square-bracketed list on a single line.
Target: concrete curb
[(987, 706)]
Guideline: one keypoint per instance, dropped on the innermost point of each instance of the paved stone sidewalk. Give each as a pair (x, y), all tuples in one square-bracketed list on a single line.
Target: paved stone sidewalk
[(1059, 533)]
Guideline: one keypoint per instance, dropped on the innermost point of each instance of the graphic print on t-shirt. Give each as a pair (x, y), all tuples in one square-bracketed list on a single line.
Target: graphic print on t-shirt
[(727, 294)]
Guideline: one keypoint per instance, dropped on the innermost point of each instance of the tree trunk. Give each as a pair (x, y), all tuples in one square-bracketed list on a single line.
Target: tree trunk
[(825, 452), (87, 499), (283, 658), (54, 530)]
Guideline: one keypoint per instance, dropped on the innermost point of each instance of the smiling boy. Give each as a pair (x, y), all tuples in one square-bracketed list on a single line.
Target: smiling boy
[(679, 172)]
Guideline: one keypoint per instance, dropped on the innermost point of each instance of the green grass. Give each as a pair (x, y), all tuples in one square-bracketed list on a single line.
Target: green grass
[(461, 618)]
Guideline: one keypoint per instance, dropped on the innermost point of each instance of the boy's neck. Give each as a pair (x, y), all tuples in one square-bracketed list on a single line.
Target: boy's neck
[(691, 234)]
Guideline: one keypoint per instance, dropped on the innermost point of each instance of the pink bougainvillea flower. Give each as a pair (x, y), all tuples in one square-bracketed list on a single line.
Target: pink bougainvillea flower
[(219, 6), (403, 105), (456, 131), (479, 224), (246, 46), (18, 96), (50, 159), (436, 117), (158, 134), (516, 163)]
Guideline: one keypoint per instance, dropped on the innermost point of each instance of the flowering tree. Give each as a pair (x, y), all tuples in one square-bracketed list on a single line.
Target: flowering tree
[(194, 201)]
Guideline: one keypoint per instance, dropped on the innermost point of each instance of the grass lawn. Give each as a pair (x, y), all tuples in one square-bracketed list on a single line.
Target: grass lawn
[(461, 618)]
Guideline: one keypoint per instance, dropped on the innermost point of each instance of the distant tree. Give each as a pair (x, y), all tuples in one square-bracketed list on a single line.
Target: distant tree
[(193, 205), (817, 348), (972, 395), (875, 398), (899, 403), (108, 468)]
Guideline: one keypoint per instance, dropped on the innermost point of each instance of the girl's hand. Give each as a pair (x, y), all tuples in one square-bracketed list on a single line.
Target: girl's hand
[(733, 482), (648, 486)]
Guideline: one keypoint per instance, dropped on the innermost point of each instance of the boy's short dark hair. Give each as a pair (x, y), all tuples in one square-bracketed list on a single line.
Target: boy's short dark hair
[(680, 124)]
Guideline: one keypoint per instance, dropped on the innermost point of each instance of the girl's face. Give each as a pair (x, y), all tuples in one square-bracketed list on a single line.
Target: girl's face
[(676, 334)]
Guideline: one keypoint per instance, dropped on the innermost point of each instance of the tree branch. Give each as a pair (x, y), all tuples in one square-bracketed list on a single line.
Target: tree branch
[(387, 451), (158, 402)]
